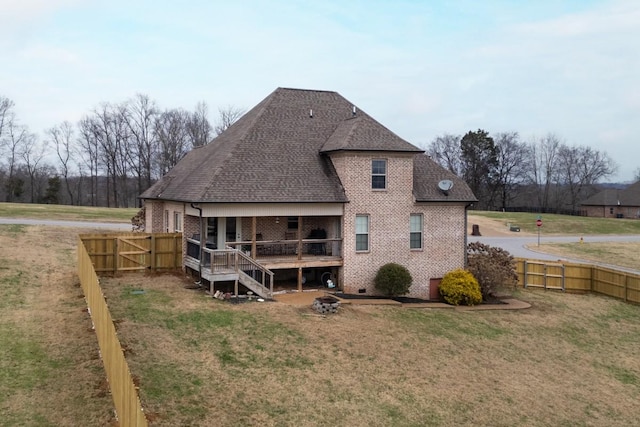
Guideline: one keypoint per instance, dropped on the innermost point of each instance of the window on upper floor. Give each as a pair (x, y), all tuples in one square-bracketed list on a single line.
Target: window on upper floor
[(362, 233), (177, 221), (378, 174), (166, 221), (415, 231)]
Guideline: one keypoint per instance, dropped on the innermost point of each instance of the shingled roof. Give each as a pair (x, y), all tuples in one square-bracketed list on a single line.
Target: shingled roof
[(277, 153), (629, 196)]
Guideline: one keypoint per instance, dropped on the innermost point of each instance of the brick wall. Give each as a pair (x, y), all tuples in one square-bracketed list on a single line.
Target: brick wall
[(272, 230), (606, 211), (154, 216), (389, 211)]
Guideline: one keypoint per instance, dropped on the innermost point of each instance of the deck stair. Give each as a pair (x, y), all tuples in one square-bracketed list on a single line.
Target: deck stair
[(230, 264)]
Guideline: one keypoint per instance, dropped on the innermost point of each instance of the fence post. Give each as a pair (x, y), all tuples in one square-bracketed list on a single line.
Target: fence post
[(115, 255), (152, 261), (175, 250), (626, 287)]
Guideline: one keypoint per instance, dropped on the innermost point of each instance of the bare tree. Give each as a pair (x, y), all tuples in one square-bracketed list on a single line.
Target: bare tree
[(6, 114), (198, 126), (140, 115), (445, 150), (579, 168), (511, 168), (32, 152), (111, 133), (90, 153), (62, 138), (227, 116), (171, 131), (543, 155), (15, 139)]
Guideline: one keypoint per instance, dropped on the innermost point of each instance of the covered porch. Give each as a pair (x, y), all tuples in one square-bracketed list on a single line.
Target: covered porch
[(275, 237)]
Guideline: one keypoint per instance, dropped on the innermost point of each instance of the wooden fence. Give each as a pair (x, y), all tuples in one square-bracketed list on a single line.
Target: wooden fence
[(123, 390), (579, 278), (134, 251)]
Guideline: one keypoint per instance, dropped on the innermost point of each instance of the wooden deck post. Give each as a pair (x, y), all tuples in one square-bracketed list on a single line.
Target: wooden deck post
[(300, 243), (299, 277), (254, 227)]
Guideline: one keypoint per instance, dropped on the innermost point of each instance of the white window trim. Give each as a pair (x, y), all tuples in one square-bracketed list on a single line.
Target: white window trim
[(177, 222), (368, 233), (385, 174), (421, 231)]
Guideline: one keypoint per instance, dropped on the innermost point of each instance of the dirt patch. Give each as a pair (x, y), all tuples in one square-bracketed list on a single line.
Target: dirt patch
[(491, 227)]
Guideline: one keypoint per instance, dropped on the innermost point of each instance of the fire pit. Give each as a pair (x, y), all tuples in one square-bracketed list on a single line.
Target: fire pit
[(326, 305)]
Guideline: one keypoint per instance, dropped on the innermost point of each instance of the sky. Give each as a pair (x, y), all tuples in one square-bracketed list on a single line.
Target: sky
[(421, 68)]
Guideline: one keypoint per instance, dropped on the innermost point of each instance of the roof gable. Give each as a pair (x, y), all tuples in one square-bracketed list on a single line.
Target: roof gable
[(363, 133)]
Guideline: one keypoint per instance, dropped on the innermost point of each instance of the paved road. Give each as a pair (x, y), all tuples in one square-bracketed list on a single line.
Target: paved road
[(516, 246), (120, 226)]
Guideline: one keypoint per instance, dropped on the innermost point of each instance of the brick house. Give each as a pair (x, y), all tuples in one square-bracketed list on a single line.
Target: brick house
[(307, 188), (614, 203)]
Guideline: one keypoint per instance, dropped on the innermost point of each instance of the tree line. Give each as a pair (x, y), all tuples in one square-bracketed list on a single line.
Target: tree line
[(544, 174), (117, 150), (110, 156)]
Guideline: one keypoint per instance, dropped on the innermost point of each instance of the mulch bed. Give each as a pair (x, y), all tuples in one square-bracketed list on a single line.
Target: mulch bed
[(405, 300)]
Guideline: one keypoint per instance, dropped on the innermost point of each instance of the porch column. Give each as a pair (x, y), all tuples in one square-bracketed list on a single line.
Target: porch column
[(299, 276), (254, 227), (300, 246)]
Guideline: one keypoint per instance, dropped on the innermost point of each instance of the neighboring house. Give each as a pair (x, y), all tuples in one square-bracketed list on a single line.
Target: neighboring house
[(306, 187), (614, 203)]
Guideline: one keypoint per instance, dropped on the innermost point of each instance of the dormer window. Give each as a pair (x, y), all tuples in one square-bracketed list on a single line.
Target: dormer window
[(379, 174)]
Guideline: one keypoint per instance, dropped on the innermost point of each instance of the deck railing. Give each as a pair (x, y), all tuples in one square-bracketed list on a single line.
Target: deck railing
[(220, 261), (328, 247)]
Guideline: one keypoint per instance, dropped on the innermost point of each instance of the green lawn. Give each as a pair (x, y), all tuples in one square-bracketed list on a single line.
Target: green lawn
[(563, 224), (569, 360), (65, 212)]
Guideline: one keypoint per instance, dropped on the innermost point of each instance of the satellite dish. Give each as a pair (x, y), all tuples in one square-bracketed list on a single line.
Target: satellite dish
[(445, 185)]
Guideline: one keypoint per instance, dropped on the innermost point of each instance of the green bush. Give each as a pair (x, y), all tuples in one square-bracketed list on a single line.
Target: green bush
[(459, 287), (393, 279), (494, 268)]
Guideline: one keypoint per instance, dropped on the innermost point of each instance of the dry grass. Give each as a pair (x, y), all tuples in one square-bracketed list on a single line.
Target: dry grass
[(569, 360), (50, 373), (624, 254)]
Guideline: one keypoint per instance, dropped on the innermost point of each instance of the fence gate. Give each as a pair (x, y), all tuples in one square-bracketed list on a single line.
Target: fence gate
[(543, 275), (133, 252)]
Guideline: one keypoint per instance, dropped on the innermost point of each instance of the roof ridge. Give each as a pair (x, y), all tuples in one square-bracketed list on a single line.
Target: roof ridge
[(306, 90)]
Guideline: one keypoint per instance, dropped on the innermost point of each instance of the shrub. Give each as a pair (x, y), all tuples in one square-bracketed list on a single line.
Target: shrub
[(460, 287), (494, 268), (393, 279)]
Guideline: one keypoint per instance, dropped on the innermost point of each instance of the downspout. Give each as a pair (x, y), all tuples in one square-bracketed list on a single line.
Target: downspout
[(202, 243), (466, 232)]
